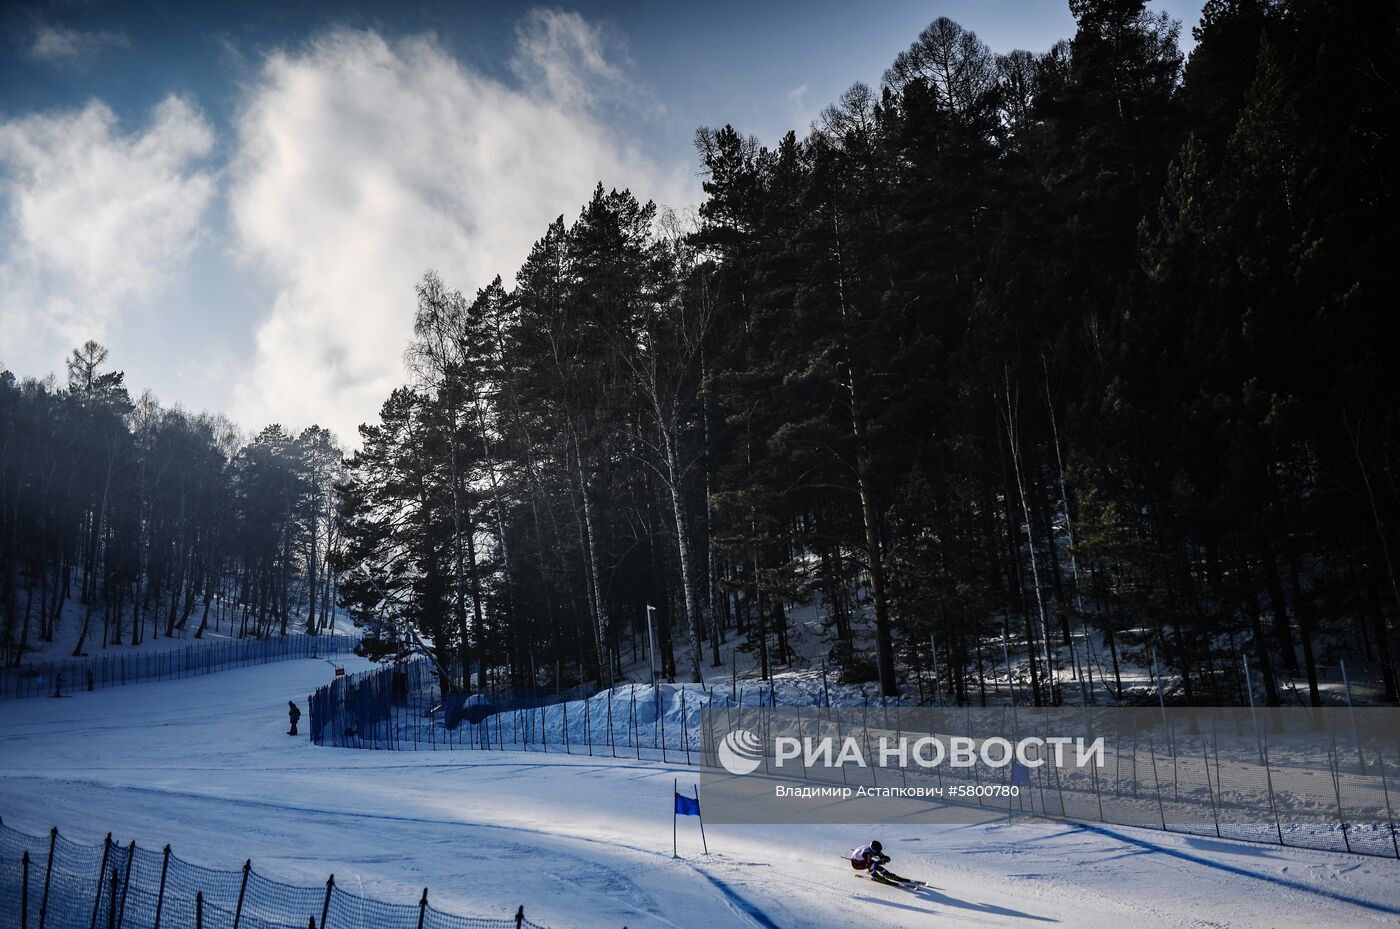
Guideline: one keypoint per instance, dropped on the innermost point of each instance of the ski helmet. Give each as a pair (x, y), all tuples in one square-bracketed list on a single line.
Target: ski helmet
[(876, 846)]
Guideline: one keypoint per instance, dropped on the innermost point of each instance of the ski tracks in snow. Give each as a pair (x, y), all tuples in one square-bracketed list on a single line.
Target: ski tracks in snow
[(581, 872)]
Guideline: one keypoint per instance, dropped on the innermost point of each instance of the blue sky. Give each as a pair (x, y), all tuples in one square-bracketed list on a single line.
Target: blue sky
[(237, 199)]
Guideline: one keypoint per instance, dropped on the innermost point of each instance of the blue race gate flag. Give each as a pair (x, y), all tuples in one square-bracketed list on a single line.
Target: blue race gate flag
[(686, 806), (1020, 774)]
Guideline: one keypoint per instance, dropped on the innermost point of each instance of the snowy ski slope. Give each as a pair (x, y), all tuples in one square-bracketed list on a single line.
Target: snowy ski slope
[(204, 764)]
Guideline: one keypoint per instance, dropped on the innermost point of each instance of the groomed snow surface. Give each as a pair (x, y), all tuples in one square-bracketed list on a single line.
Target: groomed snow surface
[(204, 765)]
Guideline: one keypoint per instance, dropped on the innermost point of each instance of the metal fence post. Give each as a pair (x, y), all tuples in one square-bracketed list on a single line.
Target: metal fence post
[(1269, 782), (101, 874), (48, 873), (422, 908), (112, 902), (1360, 756), (1098, 794), (1332, 762), (1390, 816), (685, 726), (865, 740), (326, 906), (1157, 785), (1214, 811), (126, 883), (242, 889), (160, 895)]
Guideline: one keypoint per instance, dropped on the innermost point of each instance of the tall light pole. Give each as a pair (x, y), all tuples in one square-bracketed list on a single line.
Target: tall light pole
[(651, 642)]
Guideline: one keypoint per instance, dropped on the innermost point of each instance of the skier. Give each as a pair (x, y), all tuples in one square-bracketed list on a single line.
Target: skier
[(872, 859), (294, 714)]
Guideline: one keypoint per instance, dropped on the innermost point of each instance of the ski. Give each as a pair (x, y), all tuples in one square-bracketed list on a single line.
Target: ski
[(892, 882)]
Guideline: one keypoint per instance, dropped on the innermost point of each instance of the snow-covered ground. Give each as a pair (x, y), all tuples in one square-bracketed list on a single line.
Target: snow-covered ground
[(223, 627), (809, 643), (584, 842)]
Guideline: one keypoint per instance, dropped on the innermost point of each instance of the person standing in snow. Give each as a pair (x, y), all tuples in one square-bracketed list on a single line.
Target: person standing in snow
[(295, 714), (871, 859)]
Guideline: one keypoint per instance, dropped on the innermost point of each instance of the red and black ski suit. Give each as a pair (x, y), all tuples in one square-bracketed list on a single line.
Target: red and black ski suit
[(867, 859)]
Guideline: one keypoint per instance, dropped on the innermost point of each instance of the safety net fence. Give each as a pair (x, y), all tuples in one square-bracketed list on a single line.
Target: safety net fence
[(50, 882)]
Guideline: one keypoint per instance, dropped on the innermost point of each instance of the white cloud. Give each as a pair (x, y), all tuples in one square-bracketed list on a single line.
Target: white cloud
[(563, 57), (57, 45), (92, 220), (362, 162), (800, 111)]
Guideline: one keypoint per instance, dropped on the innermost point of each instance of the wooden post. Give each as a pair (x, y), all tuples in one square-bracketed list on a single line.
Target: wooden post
[(24, 892), (422, 907)]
